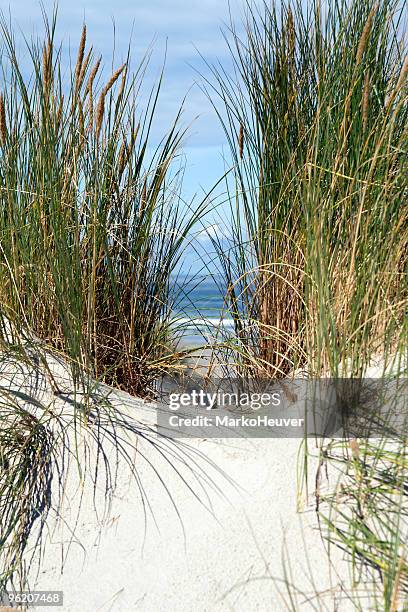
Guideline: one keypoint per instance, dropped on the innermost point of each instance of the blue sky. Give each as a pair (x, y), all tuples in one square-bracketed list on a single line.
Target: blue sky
[(181, 24)]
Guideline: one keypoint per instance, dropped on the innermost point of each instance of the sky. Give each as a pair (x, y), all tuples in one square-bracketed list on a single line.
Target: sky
[(187, 28)]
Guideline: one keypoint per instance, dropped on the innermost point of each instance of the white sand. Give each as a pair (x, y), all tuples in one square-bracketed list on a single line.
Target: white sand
[(233, 549)]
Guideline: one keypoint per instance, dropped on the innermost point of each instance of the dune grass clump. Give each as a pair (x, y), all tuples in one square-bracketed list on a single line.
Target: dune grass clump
[(91, 230), (315, 272), (91, 225), (367, 517), (315, 113)]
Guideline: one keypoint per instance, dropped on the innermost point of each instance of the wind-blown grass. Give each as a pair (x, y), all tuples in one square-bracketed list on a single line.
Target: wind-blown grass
[(315, 115), (53, 445), (315, 273), (91, 228), (91, 220)]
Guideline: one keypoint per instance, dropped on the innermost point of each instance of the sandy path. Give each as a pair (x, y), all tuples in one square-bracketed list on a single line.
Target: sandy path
[(225, 536), (227, 552)]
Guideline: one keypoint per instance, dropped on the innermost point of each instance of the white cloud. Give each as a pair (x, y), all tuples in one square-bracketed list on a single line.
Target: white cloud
[(212, 231)]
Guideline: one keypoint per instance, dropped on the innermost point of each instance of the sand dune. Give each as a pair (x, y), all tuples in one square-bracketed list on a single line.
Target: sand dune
[(209, 526)]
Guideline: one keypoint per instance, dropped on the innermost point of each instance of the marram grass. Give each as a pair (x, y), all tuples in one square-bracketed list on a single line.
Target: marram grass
[(91, 229), (315, 273), (91, 220), (315, 113)]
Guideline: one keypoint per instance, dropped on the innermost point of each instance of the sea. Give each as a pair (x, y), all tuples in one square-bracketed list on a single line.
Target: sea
[(199, 311)]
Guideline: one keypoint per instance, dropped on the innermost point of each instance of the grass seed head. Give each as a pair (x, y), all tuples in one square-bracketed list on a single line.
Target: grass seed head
[(365, 35), (291, 34), (241, 141), (122, 84), (84, 68), (101, 104), (114, 78), (80, 57), (93, 75), (100, 112), (3, 123), (403, 74), (47, 52)]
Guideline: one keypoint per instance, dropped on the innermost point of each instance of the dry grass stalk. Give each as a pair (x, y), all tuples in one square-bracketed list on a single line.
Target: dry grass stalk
[(80, 57), (291, 34), (81, 117), (101, 104), (403, 74), (90, 104), (241, 141), (3, 123), (99, 113), (84, 68), (88, 89), (122, 156), (114, 78), (395, 602), (47, 51), (365, 35), (122, 84), (93, 75)]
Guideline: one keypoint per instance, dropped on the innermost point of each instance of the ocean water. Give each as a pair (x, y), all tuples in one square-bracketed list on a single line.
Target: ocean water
[(200, 309)]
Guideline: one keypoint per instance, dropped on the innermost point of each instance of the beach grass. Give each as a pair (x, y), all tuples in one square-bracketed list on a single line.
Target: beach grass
[(315, 114), (315, 271), (92, 227), (92, 224)]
